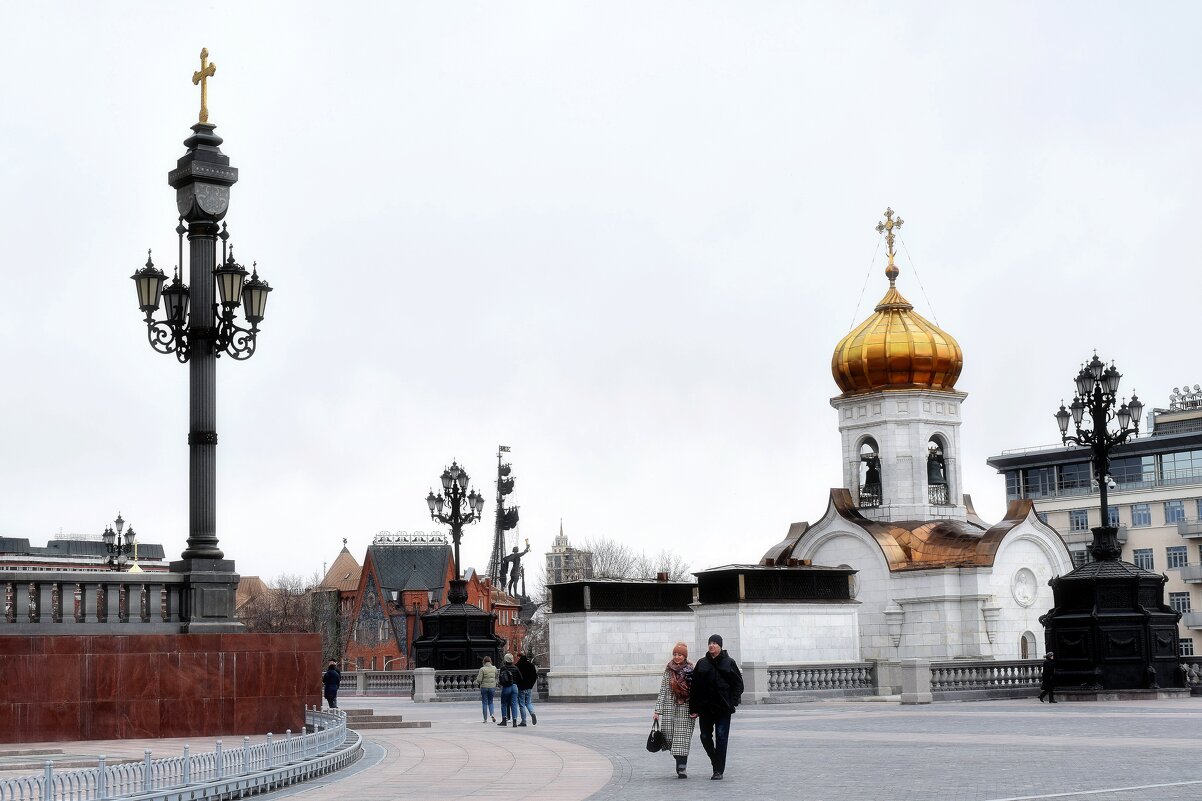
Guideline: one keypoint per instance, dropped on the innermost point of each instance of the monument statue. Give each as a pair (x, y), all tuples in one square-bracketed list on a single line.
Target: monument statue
[(515, 571)]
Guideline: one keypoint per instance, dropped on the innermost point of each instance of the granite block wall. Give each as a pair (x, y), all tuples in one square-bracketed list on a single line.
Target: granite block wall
[(100, 687)]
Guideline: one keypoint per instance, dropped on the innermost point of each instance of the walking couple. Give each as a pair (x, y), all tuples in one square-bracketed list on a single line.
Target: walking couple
[(709, 691), (517, 689)]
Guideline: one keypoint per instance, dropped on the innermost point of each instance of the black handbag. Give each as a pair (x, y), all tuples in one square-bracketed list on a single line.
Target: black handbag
[(655, 740)]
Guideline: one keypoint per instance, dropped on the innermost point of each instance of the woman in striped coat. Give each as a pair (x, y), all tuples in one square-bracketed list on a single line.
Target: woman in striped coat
[(672, 706)]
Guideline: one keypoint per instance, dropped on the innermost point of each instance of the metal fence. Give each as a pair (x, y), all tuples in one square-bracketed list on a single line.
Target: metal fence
[(218, 774)]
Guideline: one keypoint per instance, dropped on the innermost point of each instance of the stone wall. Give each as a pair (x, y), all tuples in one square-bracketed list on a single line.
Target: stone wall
[(107, 687), (780, 632), (600, 655)]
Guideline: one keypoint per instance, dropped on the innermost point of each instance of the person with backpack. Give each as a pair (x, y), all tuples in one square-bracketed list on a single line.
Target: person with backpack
[(529, 678), (507, 680)]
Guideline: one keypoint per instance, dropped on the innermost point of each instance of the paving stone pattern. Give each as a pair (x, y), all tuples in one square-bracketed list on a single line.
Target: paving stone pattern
[(821, 751)]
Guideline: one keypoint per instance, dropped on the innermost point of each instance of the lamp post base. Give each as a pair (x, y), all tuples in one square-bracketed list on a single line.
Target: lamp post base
[(208, 602)]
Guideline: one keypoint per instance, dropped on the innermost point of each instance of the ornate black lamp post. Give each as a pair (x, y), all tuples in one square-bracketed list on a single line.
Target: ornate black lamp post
[(117, 545), (457, 635), (1097, 394), (457, 515), (1110, 628), (199, 326)]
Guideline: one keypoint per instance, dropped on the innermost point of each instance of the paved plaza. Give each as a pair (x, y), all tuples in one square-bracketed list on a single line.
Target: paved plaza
[(821, 751)]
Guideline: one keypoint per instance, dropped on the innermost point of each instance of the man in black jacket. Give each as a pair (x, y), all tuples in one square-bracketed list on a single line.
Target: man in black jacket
[(717, 690), (529, 678)]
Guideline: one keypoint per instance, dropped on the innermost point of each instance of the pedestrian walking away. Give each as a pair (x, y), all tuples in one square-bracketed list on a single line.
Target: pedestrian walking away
[(1047, 682), (528, 674), (486, 680), (717, 690), (676, 722), (330, 680), (507, 680)]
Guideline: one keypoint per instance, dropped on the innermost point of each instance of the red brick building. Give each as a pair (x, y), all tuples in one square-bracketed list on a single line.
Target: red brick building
[(403, 577)]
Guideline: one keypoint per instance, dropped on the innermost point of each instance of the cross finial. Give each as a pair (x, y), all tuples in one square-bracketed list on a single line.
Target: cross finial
[(886, 228), (207, 71)]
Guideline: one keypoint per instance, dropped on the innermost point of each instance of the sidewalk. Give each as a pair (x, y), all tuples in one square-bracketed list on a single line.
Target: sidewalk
[(821, 751)]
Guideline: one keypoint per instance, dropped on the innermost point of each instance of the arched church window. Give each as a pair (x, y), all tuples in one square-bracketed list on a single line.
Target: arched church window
[(937, 492), (870, 474), (1026, 646)]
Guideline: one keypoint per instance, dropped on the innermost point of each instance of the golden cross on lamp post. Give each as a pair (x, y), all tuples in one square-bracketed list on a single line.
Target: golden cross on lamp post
[(886, 228), (207, 71)]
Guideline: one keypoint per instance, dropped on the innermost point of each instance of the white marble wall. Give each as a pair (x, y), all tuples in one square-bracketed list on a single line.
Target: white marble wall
[(613, 654), (781, 632)]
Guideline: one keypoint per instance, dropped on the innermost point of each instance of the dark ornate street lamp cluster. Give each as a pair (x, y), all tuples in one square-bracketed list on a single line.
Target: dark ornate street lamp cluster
[(461, 508), (117, 545), (174, 334), (1095, 404)]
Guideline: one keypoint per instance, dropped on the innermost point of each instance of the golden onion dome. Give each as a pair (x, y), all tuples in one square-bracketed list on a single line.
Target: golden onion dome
[(896, 348)]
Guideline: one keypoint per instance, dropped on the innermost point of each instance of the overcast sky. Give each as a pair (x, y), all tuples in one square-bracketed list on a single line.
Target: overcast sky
[(621, 238)]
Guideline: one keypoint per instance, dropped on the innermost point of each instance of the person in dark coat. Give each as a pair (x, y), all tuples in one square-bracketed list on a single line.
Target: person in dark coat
[(716, 691), (329, 682), (1047, 682), (529, 678)]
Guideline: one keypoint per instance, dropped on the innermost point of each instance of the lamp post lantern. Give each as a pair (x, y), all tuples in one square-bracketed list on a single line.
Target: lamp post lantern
[(1109, 626), (456, 635), (198, 326), (461, 508), (118, 543), (1095, 404)]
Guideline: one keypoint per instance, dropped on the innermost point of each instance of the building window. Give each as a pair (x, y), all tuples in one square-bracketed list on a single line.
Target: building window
[(1079, 558), (1143, 558), (1078, 520), (1039, 482), (1179, 601), (1043, 517), (1174, 511), (1075, 478), (1181, 468), (1141, 514), (1014, 487), (1176, 556), (1198, 509), (1134, 471), (1186, 646), (1112, 516)]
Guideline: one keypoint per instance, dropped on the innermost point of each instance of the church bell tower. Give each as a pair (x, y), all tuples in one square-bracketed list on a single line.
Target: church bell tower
[(899, 412)]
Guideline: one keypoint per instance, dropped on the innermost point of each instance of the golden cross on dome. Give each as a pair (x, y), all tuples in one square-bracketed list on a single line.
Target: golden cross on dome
[(207, 71), (886, 228)]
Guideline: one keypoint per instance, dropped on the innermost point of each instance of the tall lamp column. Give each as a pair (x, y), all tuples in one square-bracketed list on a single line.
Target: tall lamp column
[(198, 327)]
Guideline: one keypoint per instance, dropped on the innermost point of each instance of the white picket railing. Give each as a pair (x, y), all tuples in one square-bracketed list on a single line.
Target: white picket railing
[(221, 773)]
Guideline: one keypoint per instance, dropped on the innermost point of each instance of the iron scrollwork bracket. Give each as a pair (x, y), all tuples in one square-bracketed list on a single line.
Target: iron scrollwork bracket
[(234, 340), (166, 336)]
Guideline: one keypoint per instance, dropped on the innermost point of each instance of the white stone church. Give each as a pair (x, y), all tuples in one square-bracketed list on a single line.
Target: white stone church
[(934, 580)]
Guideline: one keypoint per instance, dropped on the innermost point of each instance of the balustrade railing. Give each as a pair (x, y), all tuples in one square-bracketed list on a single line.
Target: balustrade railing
[(1019, 674), (803, 678), (448, 684), (223, 772), (75, 602)]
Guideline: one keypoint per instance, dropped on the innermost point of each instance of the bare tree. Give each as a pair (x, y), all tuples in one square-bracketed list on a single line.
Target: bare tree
[(616, 560), (288, 604)]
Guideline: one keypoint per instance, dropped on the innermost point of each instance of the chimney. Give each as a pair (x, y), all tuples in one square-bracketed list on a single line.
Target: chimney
[(661, 576)]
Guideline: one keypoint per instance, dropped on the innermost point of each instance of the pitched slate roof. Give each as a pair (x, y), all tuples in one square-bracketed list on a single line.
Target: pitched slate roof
[(407, 566)]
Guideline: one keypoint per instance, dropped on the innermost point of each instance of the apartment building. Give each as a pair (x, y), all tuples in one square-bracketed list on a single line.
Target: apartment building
[(1155, 501)]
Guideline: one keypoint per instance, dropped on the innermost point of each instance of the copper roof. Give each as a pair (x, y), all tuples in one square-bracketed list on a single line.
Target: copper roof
[(918, 544), (343, 575)]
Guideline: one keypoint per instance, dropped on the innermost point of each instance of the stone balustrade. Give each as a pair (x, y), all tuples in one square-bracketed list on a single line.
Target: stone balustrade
[(449, 685), (79, 602), (836, 679), (985, 679)]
